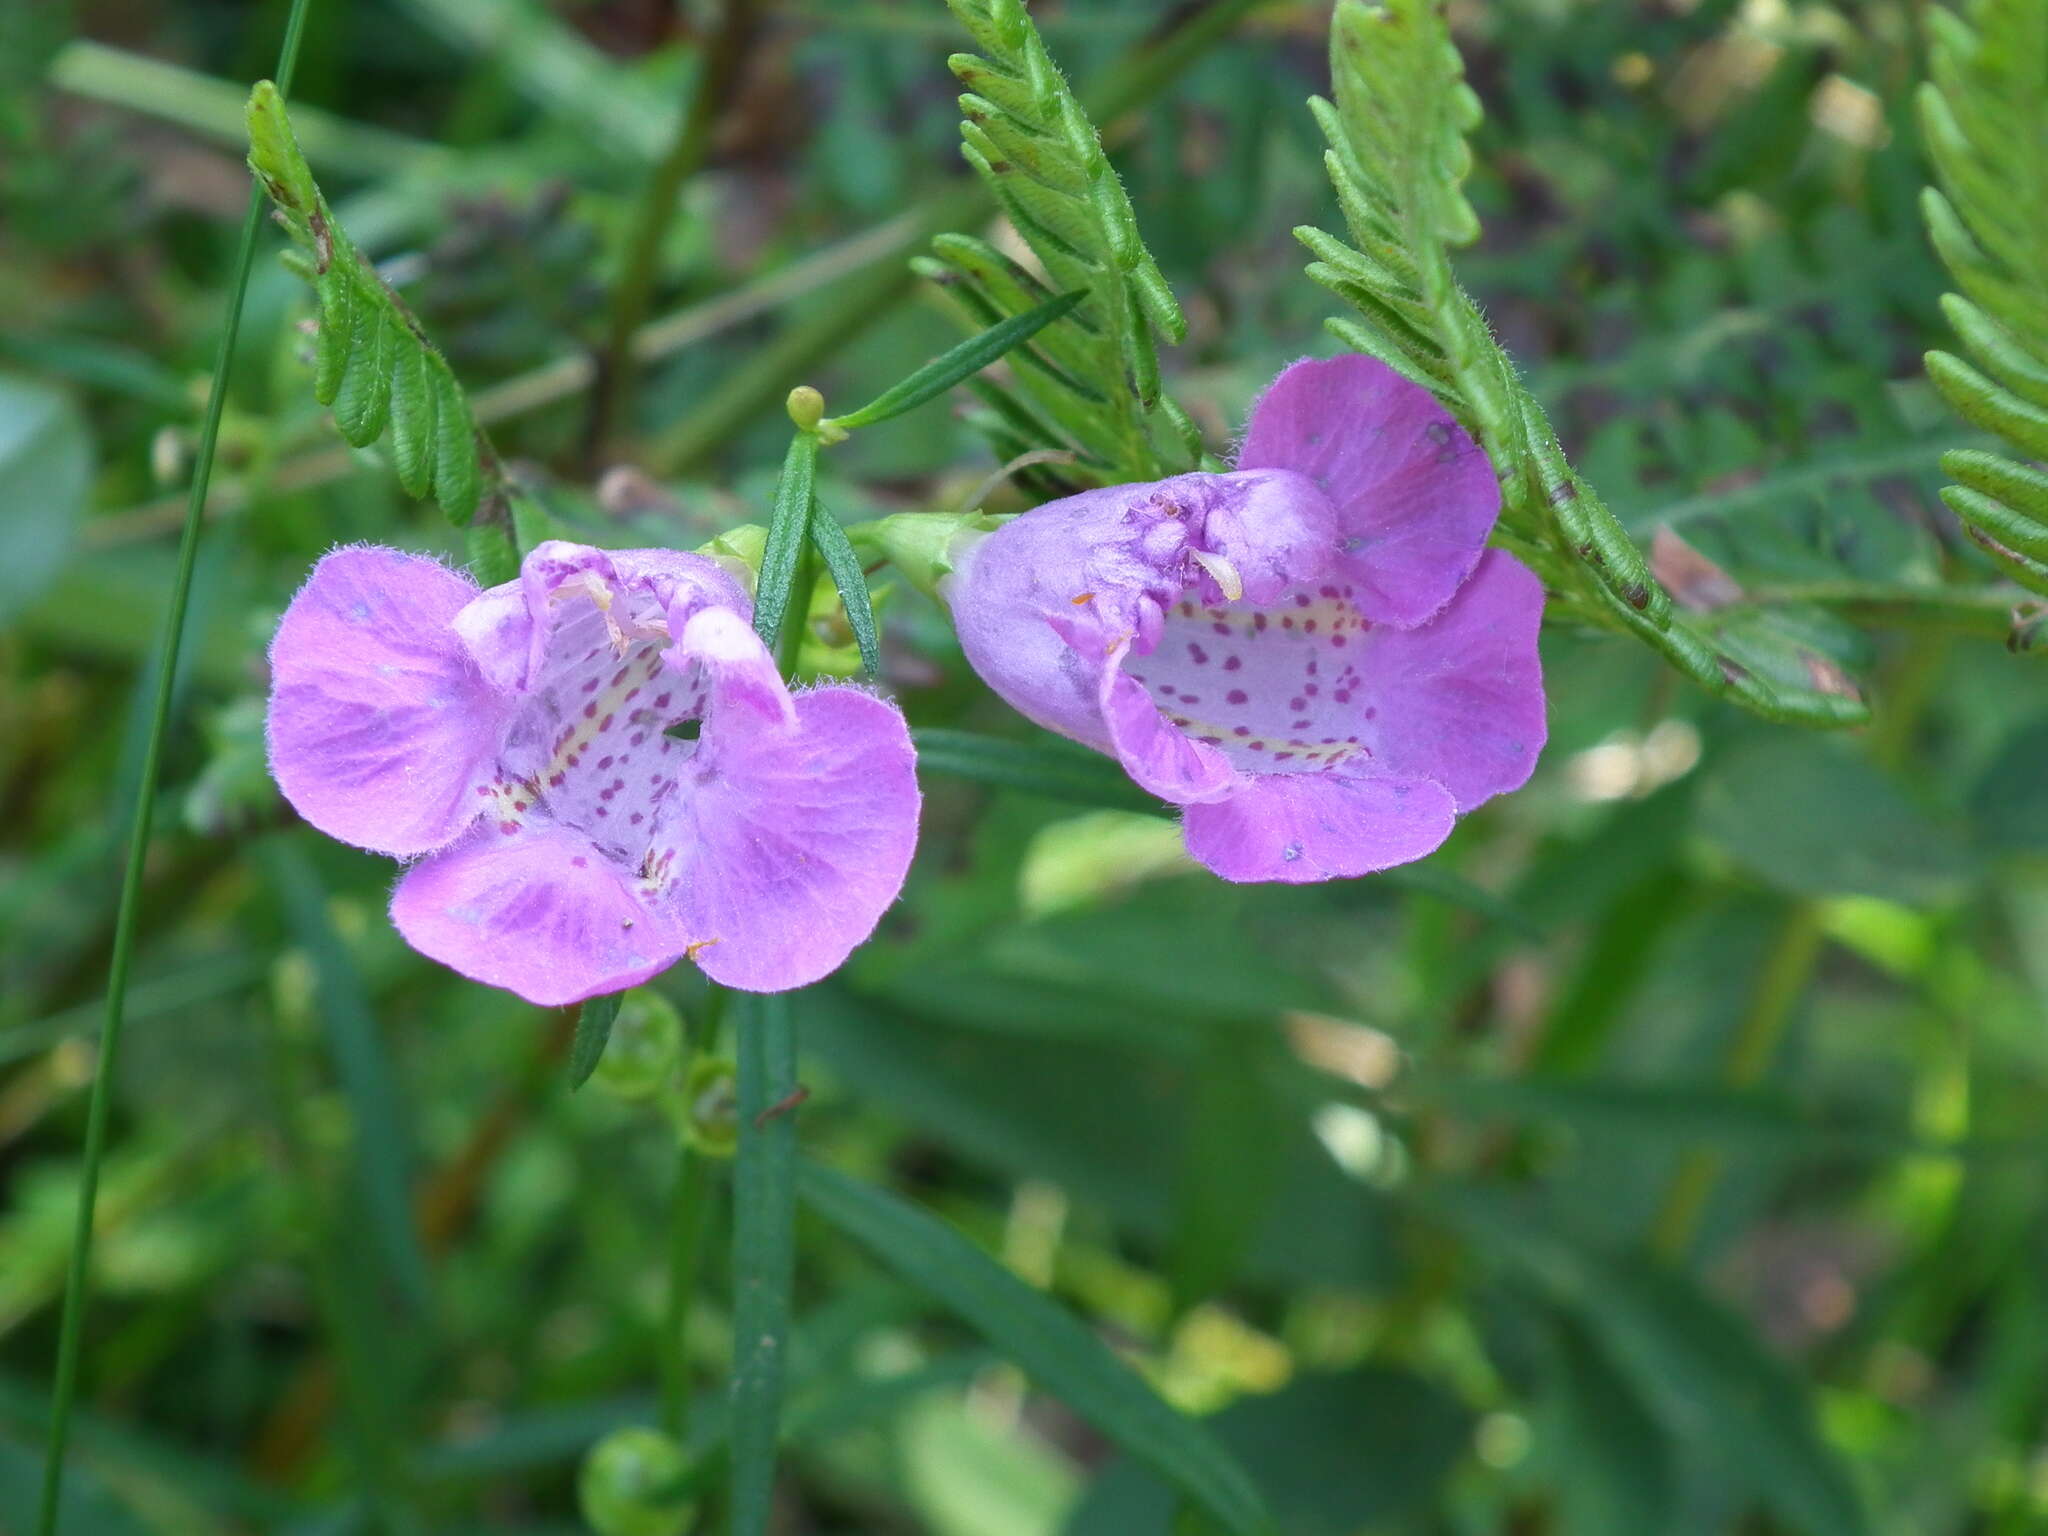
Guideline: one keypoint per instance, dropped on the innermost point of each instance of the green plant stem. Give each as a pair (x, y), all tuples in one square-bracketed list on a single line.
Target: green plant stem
[(71, 1329), (796, 620), (634, 291), (1779, 986)]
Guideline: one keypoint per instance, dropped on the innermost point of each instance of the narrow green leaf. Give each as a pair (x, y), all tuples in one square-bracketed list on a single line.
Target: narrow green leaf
[(852, 582), (1051, 768), (493, 553), (594, 1022), (970, 357), (763, 1251), (1713, 1382), (380, 1148), (788, 526), (1047, 1341)]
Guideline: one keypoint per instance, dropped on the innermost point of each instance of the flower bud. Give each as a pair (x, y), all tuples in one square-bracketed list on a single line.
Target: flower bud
[(629, 1485), (806, 407), (924, 546), (739, 550), (639, 1059)]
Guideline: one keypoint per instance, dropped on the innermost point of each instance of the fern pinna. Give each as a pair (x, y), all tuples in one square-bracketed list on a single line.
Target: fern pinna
[(373, 366), (1984, 120), (1397, 154)]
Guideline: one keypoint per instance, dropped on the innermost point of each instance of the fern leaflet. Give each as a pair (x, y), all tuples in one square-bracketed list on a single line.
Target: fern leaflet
[(1397, 155), (373, 366), (1984, 120), (1091, 380)]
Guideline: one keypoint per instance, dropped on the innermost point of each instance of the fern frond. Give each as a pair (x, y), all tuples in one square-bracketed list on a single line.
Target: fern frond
[(1397, 158), (1984, 121), (373, 366), (1093, 377)]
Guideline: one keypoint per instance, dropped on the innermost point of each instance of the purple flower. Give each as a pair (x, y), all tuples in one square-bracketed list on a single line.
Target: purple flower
[(1315, 653), (523, 744)]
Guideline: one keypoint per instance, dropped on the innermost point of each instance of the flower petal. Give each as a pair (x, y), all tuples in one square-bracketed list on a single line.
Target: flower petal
[(380, 729), (1415, 496), (1299, 828), (1460, 700), (1159, 756), (539, 912), (788, 842), (737, 666)]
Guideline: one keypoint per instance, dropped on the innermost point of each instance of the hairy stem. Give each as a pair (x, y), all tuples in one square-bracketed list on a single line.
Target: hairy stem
[(71, 1330)]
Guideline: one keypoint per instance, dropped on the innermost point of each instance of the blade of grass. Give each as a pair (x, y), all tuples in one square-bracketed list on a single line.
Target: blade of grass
[(71, 1330), (1042, 1337), (763, 1251)]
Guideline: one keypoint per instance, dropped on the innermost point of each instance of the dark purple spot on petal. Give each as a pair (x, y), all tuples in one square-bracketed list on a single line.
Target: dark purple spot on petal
[(1236, 696)]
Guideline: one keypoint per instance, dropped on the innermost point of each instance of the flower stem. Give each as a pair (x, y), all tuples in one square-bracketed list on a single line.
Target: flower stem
[(71, 1329)]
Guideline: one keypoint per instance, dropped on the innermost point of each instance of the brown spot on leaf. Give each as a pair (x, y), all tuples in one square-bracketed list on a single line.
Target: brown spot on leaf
[(1695, 581)]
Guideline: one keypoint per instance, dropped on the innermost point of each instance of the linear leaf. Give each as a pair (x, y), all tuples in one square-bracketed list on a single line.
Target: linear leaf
[(968, 358), (594, 1022), (1047, 1341), (788, 526), (1050, 768), (1711, 1379), (763, 1252), (852, 583)]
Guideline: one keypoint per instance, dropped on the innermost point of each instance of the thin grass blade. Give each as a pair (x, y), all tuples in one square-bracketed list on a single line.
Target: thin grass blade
[(961, 362), (763, 1252)]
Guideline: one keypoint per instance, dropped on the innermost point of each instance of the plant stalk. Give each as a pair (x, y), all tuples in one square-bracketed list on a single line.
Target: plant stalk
[(71, 1329)]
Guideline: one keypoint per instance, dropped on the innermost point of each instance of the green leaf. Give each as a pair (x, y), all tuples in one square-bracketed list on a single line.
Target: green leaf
[(788, 527), (46, 464), (594, 1022), (1055, 1349), (763, 1252), (1989, 224), (961, 362), (1397, 156), (1048, 767), (372, 364), (1813, 818), (1334, 1454), (1712, 1381), (1230, 1161), (851, 582), (1614, 1475), (380, 1148), (1093, 372)]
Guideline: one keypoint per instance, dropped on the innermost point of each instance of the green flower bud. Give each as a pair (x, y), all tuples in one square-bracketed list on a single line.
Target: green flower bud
[(925, 545), (639, 1059), (739, 550), (709, 1113), (806, 407), (629, 1485)]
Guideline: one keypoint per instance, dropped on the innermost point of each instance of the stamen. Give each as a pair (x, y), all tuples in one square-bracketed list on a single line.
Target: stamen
[(1222, 571)]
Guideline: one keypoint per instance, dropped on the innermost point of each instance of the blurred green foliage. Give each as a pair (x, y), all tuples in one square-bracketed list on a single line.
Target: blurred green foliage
[(1664, 1155)]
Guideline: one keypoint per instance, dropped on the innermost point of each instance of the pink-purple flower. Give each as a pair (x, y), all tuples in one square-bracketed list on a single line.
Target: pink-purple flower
[(597, 768), (1315, 654)]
